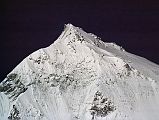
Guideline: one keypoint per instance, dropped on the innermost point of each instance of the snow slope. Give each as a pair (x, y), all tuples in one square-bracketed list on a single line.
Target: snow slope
[(79, 77)]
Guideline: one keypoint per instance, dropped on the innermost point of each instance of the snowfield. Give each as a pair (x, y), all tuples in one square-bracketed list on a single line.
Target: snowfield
[(79, 77)]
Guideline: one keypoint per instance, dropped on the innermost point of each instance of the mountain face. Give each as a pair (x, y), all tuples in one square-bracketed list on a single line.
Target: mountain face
[(79, 77)]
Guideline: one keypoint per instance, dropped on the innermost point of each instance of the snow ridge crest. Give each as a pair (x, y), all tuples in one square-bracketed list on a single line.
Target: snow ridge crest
[(77, 34)]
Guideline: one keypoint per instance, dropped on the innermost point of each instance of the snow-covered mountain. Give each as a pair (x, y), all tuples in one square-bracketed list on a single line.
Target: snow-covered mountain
[(79, 77)]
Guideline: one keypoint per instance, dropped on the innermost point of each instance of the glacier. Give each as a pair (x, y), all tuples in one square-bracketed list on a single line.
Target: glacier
[(80, 77)]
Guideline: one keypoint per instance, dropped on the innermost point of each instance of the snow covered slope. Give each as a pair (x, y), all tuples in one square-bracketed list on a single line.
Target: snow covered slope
[(79, 77)]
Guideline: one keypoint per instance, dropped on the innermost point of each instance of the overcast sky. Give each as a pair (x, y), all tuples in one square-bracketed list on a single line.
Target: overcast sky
[(28, 25)]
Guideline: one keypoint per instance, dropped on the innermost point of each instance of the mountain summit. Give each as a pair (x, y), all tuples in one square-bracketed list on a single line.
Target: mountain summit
[(79, 77)]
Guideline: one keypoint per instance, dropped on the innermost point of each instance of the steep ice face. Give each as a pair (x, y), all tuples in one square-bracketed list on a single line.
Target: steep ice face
[(79, 77)]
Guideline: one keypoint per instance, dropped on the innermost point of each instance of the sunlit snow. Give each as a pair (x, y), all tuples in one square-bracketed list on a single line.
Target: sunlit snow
[(79, 77)]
